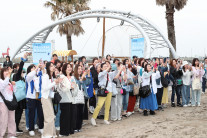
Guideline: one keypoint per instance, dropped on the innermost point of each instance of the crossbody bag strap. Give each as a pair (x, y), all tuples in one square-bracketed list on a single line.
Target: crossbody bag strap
[(2, 96), (107, 81)]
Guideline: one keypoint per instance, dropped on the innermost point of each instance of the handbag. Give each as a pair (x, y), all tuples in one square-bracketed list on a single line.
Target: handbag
[(57, 97), (196, 85), (11, 105), (179, 82), (123, 91), (20, 92), (79, 98), (145, 91), (102, 91), (136, 88)]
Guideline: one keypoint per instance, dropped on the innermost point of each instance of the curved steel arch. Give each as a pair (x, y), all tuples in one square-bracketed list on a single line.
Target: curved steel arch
[(152, 34)]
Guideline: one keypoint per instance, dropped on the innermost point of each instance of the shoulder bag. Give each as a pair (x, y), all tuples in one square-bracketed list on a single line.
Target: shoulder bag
[(102, 91), (11, 105)]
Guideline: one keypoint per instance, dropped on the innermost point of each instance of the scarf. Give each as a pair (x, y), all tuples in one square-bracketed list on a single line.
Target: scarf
[(40, 83)]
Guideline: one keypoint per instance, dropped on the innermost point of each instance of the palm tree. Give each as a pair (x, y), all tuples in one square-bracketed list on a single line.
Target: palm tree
[(171, 5), (64, 8)]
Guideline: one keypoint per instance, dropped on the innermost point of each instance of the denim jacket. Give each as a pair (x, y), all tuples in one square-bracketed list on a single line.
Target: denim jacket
[(84, 85)]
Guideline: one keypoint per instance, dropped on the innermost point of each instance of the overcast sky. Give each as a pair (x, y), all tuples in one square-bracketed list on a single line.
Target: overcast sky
[(21, 19)]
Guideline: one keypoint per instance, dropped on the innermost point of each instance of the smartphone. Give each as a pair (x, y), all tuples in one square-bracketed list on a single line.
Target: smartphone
[(58, 76), (155, 66)]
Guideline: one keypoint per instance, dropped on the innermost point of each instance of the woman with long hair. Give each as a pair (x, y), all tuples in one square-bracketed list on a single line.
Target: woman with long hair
[(104, 77), (48, 85), (67, 89), (176, 72), (149, 79), (7, 117), (83, 80), (198, 72)]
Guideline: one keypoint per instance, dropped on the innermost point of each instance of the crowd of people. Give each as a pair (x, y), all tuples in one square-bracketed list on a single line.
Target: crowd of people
[(60, 95)]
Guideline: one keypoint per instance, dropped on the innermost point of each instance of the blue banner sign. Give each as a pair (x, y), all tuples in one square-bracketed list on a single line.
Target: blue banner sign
[(41, 52), (137, 47)]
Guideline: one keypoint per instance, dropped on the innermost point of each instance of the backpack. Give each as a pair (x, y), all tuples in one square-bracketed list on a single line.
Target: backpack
[(164, 81)]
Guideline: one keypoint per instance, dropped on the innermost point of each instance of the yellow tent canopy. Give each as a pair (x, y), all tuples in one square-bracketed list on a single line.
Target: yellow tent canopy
[(65, 52)]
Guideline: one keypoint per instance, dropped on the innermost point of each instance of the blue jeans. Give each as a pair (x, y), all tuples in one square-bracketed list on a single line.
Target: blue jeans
[(125, 101), (186, 94), (57, 119), (204, 85), (196, 97), (176, 90), (27, 117)]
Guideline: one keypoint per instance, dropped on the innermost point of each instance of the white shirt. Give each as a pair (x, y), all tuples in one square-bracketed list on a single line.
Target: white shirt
[(187, 77), (47, 87), (4, 89), (146, 80), (32, 76), (102, 77)]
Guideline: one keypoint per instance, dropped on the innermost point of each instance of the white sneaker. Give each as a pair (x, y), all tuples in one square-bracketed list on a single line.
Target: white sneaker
[(106, 122), (189, 104), (199, 105), (185, 105), (27, 128), (133, 112), (114, 119), (129, 113), (36, 126), (13, 137), (193, 105), (93, 121), (31, 133), (91, 109), (119, 119), (41, 131), (57, 128)]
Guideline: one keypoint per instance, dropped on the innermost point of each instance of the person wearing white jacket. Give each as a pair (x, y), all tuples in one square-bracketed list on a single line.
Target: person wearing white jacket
[(48, 84), (187, 73), (7, 117), (68, 91), (149, 78), (33, 103)]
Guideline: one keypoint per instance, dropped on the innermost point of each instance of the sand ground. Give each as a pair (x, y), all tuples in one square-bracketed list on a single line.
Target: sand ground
[(178, 122)]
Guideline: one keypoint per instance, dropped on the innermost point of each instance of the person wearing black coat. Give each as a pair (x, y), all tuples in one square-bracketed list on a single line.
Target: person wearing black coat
[(92, 100), (8, 63), (21, 104), (176, 73)]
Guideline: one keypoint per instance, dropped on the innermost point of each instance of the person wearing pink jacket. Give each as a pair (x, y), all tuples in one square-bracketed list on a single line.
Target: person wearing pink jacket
[(198, 72)]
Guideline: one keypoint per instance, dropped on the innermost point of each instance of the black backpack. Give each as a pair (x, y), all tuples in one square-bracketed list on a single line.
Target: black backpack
[(164, 81)]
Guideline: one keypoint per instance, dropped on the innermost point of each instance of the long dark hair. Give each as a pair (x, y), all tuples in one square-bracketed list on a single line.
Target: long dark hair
[(193, 62), (48, 70), (102, 66), (76, 75), (29, 68), (145, 67), (2, 72), (65, 66)]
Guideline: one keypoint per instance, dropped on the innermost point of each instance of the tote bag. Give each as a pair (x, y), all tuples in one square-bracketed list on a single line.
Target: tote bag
[(79, 98), (20, 92), (196, 85)]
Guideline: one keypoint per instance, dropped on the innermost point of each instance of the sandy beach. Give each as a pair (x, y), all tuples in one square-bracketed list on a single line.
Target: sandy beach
[(179, 122)]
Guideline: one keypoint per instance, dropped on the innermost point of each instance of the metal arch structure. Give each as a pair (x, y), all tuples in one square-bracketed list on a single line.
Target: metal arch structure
[(153, 36)]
